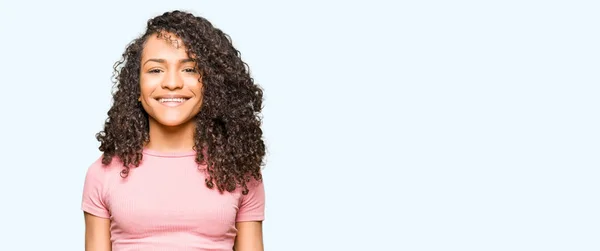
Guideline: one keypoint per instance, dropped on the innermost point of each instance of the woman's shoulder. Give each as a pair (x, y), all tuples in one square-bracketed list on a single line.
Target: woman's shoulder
[(99, 168)]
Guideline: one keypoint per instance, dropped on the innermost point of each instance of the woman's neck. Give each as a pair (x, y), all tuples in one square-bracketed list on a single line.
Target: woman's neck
[(171, 139)]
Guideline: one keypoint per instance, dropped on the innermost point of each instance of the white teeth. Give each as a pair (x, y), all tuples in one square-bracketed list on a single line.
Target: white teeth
[(179, 100)]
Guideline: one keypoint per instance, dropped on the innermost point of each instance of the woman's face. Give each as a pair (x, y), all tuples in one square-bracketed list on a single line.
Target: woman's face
[(170, 90)]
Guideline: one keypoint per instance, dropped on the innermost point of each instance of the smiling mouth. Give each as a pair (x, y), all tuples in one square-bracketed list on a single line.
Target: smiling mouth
[(172, 100)]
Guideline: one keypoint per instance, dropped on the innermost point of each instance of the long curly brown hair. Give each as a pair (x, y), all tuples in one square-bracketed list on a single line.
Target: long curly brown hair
[(228, 125)]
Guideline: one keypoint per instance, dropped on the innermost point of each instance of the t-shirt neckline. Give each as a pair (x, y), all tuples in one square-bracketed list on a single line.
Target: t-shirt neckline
[(169, 154)]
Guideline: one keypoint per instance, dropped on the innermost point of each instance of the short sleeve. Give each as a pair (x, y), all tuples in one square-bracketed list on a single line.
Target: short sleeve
[(94, 201), (252, 205)]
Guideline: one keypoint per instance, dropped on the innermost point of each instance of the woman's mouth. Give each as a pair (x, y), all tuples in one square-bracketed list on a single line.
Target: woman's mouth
[(172, 102)]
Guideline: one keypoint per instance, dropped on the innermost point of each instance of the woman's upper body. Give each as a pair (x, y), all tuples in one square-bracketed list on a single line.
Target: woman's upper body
[(165, 205), (181, 86)]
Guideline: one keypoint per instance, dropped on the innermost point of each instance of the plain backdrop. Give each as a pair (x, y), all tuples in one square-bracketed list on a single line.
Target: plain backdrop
[(399, 125)]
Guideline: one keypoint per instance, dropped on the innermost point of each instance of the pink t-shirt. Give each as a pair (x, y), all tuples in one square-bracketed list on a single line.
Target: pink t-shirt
[(164, 204)]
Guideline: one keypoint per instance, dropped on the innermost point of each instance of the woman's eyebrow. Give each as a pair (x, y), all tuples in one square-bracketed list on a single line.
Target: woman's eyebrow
[(160, 60)]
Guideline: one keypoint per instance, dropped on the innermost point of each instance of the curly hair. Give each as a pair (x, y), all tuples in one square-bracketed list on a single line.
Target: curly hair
[(228, 125)]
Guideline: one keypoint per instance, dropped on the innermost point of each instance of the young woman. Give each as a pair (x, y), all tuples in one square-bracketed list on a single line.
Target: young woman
[(182, 146)]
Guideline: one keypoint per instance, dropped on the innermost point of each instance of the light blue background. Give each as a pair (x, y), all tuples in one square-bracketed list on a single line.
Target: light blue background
[(411, 125)]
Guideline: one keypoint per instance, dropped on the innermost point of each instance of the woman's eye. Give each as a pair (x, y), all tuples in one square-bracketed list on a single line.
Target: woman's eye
[(190, 70), (154, 71)]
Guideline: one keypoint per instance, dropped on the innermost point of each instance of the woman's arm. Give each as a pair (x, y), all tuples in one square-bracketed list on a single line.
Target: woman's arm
[(249, 236), (97, 233)]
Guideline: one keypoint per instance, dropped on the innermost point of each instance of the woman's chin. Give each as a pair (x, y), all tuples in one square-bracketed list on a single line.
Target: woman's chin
[(173, 122)]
